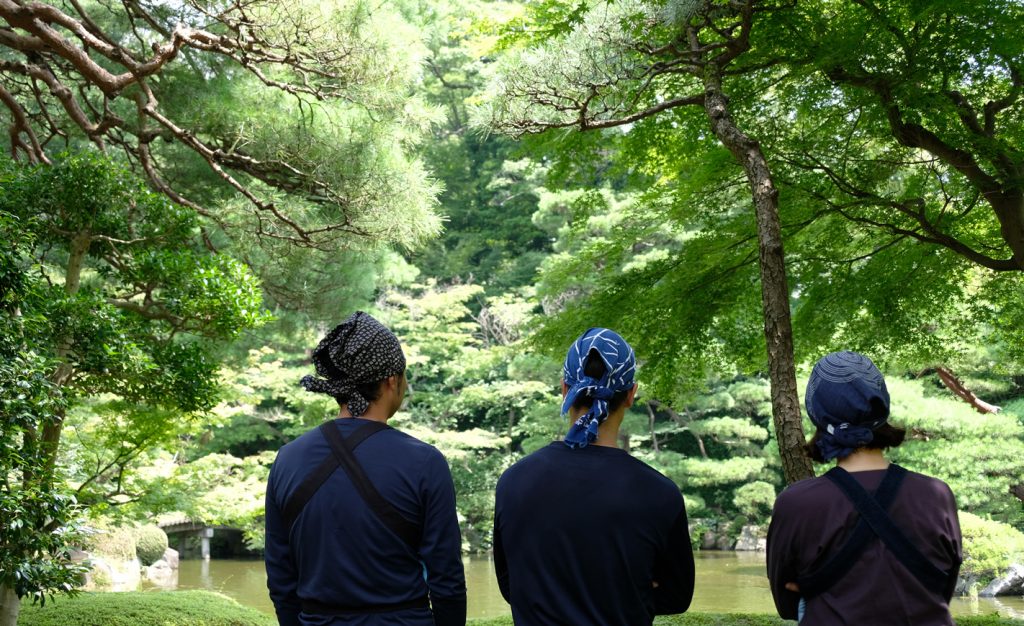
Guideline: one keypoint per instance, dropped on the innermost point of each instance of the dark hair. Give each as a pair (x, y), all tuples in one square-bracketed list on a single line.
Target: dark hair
[(370, 391), (595, 368), (886, 436)]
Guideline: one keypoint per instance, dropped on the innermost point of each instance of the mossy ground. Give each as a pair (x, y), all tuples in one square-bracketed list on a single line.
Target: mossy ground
[(204, 608), (179, 608)]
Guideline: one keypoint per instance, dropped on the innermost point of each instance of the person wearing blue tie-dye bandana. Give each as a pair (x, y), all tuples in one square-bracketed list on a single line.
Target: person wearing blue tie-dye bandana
[(583, 532)]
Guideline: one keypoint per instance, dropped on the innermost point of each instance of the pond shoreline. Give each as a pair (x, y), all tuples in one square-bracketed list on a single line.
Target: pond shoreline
[(727, 582)]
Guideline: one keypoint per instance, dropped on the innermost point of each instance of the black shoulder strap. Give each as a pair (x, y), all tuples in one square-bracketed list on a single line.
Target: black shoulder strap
[(407, 531), (874, 521), (312, 483)]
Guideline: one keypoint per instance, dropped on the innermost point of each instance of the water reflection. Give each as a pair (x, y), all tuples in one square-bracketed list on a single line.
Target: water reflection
[(726, 582)]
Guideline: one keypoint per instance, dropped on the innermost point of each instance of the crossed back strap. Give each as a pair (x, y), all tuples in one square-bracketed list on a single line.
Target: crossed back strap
[(874, 522), (342, 454)]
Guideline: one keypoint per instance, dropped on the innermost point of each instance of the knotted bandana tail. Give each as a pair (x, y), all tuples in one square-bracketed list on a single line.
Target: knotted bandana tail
[(358, 351), (620, 368)]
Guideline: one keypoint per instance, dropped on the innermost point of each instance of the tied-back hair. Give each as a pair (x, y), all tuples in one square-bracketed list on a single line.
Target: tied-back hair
[(369, 391), (595, 368), (885, 436)]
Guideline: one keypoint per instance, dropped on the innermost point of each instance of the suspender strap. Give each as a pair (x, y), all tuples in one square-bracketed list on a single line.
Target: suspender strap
[(312, 483), (874, 521), (407, 531), (317, 608)]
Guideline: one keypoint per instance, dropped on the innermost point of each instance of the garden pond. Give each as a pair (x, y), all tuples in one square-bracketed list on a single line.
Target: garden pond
[(726, 582)]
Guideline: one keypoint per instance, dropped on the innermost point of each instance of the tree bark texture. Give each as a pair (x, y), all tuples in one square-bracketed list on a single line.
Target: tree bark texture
[(1010, 212), (957, 386), (10, 606), (50, 441), (778, 329)]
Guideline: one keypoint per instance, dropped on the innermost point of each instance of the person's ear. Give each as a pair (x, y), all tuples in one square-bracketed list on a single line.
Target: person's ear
[(630, 396)]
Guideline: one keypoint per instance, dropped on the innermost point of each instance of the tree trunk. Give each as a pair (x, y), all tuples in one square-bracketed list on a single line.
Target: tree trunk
[(778, 330), (1009, 209), (654, 436), (50, 441), (10, 605), (957, 386)]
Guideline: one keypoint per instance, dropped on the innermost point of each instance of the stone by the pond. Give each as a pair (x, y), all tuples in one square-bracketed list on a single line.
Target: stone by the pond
[(113, 575), (171, 557), (965, 584), (1012, 584), (752, 539), (161, 574)]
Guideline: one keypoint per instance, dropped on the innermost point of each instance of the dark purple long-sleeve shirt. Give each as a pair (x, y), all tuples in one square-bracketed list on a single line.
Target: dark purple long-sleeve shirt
[(811, 521)]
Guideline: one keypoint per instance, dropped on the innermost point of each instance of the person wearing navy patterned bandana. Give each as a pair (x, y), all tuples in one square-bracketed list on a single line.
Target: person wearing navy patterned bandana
[(868, 542), (361, 527), (583, 532)]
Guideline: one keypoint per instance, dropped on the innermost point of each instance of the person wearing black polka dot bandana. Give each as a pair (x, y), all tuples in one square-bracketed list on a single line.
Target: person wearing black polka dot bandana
[(361, 527), (353, 360)]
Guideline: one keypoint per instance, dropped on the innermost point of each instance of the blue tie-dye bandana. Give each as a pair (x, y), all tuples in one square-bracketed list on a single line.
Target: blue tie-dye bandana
[(620, 367), (847, 400)]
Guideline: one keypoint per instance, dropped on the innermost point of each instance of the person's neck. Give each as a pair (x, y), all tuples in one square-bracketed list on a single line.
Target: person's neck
[(864, 460), (374, 413), (607, 432)]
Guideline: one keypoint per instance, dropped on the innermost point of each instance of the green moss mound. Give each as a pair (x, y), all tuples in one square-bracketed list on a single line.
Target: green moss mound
[(157, 608), (724, 619), (150, 544)]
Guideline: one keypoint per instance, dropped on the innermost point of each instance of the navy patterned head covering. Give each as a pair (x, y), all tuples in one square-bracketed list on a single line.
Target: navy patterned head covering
[(847, 400), (620, 366), (358, 351)]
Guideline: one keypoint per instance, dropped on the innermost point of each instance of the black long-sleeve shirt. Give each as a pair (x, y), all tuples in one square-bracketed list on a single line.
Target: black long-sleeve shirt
[(581, 536), (338, 552), (812, 520)]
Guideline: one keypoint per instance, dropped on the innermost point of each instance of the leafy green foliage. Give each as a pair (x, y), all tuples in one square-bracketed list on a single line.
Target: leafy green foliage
[(180, 608), (40, 521), (110, 294), (755, 500), (980, 456), (989, 547)]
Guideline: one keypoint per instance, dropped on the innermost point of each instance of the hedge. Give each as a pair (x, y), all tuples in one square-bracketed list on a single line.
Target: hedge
[(205, 608), (142, 608)]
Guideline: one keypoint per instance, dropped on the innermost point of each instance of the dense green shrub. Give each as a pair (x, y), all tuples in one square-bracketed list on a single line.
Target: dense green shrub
[(989, 547), (162, 608), (755, 500), (150, 544), (113, 542)]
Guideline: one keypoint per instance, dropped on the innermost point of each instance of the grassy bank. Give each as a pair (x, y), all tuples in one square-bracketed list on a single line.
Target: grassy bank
[(179, 608), (203, 608)]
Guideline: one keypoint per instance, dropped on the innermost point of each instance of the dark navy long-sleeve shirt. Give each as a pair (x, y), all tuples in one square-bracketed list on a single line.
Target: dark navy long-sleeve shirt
[(339, 552), (582, 535)]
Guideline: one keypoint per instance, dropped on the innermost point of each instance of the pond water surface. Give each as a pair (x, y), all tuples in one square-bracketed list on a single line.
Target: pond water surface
[(726, 582)]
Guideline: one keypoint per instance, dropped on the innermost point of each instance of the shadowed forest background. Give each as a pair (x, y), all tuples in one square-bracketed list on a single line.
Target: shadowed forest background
[(194, 192)]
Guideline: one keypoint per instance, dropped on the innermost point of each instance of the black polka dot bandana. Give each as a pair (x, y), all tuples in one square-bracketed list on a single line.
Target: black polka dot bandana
[(358, 351)]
